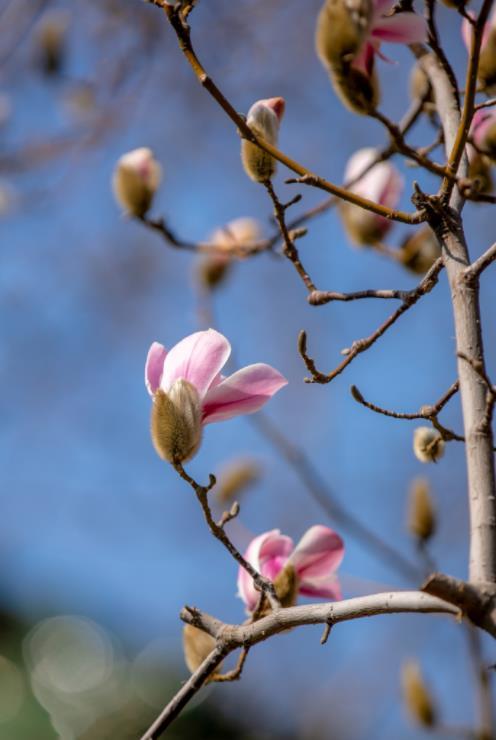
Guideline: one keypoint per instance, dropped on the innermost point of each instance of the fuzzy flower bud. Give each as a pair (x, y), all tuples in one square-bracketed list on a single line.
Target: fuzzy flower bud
[(420, 250), (176, 422), (486, 72), (382, 184), (479, 170), (52, 41), (135, 181), (197, 645), (421, 512), (483, 132), (416, 695), (264, 118), (236, 478), (428, 445)]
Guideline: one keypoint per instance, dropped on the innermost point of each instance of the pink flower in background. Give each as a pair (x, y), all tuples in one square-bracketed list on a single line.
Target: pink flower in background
[(489, 28), (382, 183), (483, 124), (198, 359), (315, 559), (401, 28)]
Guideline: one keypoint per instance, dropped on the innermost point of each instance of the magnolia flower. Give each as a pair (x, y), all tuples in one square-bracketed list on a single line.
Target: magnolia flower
[(136, 178), (228, 241), (483, 131), (486, 72), (312, 562), (428, 445), (349, 35), (188, 391), (264, 118), (382, 184)]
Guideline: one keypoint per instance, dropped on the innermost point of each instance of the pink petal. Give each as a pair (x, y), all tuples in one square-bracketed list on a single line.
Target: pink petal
[(402, 28), (154, 367), (198, 359), (262, 553), (242, 393), (364, 60), (482, 121), (317, 555), (325, 588), (382, 184)]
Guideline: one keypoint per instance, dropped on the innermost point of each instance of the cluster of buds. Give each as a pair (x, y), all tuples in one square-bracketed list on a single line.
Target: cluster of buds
[(136, 178), (188, 391), (264, 118), (428, 445), (348, 38), (308, 569), (382, 184), (486, 72), (241, 233), (419, 251)]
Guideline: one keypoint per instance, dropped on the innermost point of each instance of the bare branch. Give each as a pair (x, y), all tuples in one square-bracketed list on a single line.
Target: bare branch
[(481, 263)]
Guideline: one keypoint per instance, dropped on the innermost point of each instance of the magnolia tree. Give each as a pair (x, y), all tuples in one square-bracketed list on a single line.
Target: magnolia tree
[(188, 390)]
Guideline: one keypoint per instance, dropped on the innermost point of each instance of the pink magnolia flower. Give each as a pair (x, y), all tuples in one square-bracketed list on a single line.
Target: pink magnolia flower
[(315, 559), (135, 181), (197, 394), (486, 72), (264, 119), (382, 184), (400, 28), (483, 130), (489, 28)]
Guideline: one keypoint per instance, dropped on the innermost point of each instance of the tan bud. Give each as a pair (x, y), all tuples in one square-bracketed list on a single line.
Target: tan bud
[(176, 427), (363, 228), (197, 645), (236, 478), (51, 42), (240, 232), (136, 178), (480, 171), (419, 251), (286, 585), (342, 26), (263, 118), (421, 512), (213, 269), (428, 445), (487, 62), (416, 695)]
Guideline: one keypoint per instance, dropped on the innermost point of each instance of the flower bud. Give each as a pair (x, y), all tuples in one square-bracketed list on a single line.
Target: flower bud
[(212, 270), (479, 170), (483, 132), (286, 586), (264, 118), (382, 183), (421, 512), (419, 251), (176, 422), (236, 478), (428, 445), (486, 72), (135, 181), (197, 645), (51, 42), (416, 695)]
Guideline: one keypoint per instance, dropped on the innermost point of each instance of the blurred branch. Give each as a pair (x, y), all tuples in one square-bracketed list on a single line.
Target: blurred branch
[(482, 685), (322, 494), (360, 345)]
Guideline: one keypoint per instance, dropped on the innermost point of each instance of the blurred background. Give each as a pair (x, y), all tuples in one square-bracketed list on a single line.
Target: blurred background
[(100, 543)]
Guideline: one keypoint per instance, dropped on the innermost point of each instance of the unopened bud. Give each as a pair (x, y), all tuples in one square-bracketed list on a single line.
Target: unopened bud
[(483, 132), (342, 27), (421, 512), (286, 585), (212, 270), (240, 232), (428, 445), (236, 478), (135, 181), (197, 645), (420, 250), (51, 42), (176, 422), (264, 118), (416, 695), (486, 72), (479, 171)]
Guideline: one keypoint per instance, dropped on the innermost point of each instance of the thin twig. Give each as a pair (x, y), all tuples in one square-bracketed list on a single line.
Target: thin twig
[(481, 263), (360, 345)]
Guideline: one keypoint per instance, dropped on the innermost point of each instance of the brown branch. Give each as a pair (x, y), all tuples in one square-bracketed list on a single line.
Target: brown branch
[(182, 31), (217, 529), (486, 104), (361, 345), (321, 297), (480, 264), (231, 637), (322, 494), (289, 249)]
